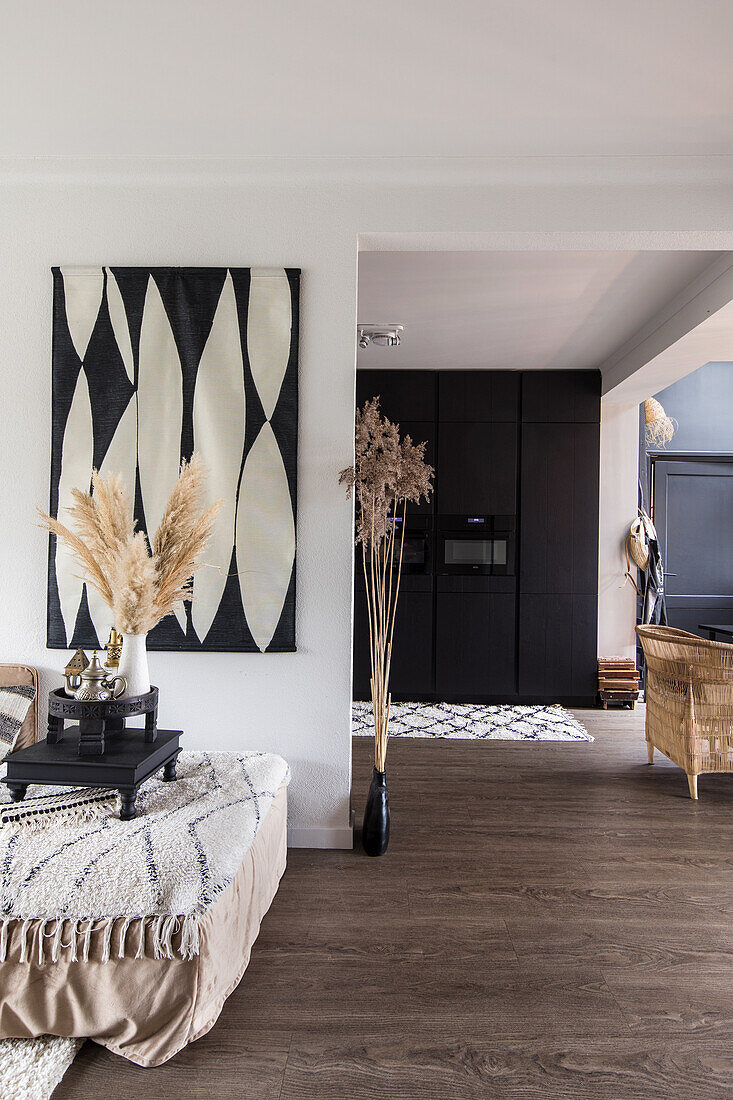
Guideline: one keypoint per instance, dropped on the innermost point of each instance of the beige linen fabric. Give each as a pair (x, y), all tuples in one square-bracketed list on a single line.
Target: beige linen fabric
[(148, 1009)]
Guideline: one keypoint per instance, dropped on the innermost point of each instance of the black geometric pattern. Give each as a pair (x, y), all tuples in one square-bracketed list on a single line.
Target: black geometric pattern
[(473, 721), (174, 859), (14, 704), (98, 344)]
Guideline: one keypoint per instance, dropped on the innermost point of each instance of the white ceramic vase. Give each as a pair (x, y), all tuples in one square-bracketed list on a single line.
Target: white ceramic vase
[(134, 664)]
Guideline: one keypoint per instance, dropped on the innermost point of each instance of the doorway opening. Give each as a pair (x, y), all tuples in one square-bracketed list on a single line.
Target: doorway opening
[(508, 362)]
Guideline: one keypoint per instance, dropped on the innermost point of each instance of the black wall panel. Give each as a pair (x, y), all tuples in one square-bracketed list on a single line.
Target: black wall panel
[(477, 468), (557, 646), (412, 656), (508, 444), (404, 394), (561, 396), (559, 510), (471, 395), (475, 645)]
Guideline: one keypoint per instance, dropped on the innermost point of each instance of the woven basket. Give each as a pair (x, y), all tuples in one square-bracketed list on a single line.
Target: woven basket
[(653, 411)]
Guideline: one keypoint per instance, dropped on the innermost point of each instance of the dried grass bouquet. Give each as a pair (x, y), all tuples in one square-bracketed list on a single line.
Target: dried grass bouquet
[(139, 585), (388, 472)]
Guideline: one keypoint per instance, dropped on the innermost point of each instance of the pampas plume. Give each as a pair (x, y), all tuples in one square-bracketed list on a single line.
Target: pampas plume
[(91, 570), (139, 586), (182, 536), (388, 472)]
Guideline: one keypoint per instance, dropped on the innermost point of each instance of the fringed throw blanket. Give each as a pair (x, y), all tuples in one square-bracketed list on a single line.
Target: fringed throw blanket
[(140, 885), (77, 805)]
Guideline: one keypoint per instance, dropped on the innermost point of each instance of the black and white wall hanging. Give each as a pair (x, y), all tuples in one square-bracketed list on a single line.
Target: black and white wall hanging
[(150, 364)]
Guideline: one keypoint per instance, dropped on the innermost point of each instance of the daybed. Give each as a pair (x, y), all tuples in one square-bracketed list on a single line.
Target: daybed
[(143, 986)]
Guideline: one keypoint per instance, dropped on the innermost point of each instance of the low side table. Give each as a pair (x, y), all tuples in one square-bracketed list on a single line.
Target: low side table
[(127, 762)]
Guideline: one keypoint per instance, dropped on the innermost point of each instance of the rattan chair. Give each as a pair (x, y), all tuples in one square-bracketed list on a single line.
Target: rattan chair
[(689, 700)]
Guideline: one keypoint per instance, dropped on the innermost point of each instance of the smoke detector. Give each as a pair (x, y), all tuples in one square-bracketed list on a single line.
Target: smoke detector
[(384, 336)]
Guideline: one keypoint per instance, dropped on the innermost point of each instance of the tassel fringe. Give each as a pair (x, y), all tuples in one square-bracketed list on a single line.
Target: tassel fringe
[(57, 941), (107, 941), (140, 954), (190, 937), (27, 818), (123, 937), (87, 941), (23, 940), (153, 937)]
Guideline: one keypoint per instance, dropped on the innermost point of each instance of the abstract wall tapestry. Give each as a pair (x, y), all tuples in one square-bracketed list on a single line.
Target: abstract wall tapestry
[(149, 365)]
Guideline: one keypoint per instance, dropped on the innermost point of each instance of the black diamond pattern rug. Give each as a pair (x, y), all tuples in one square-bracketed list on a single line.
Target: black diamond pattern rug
[(473, 721)]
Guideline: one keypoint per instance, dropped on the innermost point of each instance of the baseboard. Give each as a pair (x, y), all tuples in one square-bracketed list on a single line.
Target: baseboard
[(322, 837)]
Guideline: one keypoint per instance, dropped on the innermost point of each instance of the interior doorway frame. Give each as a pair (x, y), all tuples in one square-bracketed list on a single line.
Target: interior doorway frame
[(619, 404)]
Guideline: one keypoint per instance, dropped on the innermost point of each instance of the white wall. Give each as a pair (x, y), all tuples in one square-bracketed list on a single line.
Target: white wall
[(619, 477), (295, 214)]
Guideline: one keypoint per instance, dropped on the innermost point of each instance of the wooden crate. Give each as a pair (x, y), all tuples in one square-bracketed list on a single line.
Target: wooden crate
[(618, 682)]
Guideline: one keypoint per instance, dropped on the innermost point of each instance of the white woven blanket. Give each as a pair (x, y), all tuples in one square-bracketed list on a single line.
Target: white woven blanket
[(170, 863)]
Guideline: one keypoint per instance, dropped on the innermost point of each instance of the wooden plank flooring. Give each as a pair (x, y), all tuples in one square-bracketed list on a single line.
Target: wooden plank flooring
[(551, 921)]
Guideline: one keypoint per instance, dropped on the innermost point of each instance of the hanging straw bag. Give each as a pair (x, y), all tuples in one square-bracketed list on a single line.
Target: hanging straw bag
[(637, 545)]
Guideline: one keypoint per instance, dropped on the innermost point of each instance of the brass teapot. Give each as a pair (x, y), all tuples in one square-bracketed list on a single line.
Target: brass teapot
[(96, 686)]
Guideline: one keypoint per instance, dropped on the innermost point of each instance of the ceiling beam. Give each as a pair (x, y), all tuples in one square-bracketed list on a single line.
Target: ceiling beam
[(696, 327)]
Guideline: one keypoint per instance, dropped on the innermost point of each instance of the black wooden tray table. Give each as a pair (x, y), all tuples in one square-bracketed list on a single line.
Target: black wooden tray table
[(129, 759)]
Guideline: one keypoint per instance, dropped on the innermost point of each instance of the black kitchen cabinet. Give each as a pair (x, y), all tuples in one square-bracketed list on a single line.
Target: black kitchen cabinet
[(412, 657), (477, 468), (404, 394), (561, 396), (559, 518), (466, 396), (475, 636), (558, 646), (558, 523), (524, 447)]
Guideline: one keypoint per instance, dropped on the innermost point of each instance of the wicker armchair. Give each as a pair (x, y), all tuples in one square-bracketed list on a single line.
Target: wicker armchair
[(689, 700)]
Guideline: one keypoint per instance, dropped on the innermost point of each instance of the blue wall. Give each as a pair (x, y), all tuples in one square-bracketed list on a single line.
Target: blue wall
[(702, 405)]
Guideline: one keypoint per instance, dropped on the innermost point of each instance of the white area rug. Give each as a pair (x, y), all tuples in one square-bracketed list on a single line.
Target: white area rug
[(473, 721), (30, 1069)]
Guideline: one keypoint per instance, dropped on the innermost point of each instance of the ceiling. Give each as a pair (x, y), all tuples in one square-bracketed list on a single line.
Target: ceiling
[(406, 78), (516, 310)]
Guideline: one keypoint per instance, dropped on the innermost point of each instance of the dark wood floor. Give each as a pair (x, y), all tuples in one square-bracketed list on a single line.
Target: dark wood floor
[(551, 920)]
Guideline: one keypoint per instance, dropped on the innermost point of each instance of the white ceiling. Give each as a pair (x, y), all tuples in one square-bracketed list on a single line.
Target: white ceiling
[(384, 77), (516, 310)]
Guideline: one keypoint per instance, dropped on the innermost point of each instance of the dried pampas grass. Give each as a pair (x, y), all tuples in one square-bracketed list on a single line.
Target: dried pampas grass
[(133, 584), (388, 472), (182, 536), (139, 586), (91, 571)]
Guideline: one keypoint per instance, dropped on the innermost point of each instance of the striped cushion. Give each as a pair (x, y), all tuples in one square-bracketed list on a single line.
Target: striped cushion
[(14, 704)]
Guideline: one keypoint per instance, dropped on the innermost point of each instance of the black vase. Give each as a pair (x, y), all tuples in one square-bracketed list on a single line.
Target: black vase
[(375, 830)]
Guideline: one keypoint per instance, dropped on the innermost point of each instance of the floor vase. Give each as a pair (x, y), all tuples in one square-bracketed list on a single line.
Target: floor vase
[(375, 830)]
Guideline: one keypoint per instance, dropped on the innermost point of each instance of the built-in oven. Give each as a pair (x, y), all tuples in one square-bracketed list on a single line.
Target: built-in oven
[(417, 548), (476, 545)]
